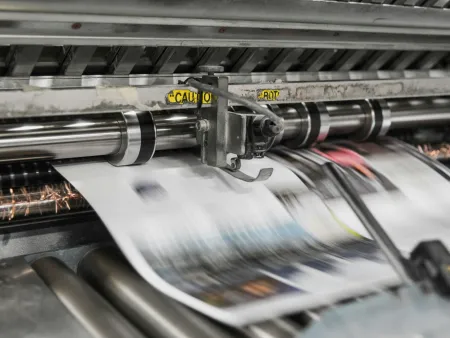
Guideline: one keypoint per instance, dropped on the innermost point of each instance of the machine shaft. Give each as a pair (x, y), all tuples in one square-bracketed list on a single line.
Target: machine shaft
[(110, 134), (151, 311), (97, 316)]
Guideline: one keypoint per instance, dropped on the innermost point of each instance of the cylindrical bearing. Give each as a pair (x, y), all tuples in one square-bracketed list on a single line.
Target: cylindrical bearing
[(385, 113), (138, 139), (369, 121), (305, 126), (382, 116), (324, 122)]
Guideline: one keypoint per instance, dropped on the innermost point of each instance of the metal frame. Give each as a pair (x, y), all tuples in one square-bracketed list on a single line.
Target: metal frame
[(330, 16), (39, 102), (107, 34)]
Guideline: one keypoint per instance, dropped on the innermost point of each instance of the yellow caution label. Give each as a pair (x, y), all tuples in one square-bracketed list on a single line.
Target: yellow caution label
[(268, 95), (183, 96)]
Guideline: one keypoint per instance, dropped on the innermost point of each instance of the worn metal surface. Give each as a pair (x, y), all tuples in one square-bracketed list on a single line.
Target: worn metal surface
[(106, 34), (96, 315), (28, 308), (48, 234), (139, 80), (154, 313), (335, 16), (39, 102)]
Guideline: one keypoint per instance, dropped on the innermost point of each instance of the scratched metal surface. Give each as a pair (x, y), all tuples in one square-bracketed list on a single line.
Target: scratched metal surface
[(28, 309)]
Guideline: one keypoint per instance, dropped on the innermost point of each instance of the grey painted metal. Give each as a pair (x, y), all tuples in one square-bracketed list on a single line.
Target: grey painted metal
[(63, 138), (23, 60), (138, 80), (285, 59), (213, 56), (76, 60), (350, 59), (29, 309), (155, 314), (405, 59), (320, 59), (125, 60), (430, 60), (378, 60), (106, 34), (335, 16), (18, 103), (170, 59), (248, 61), (96, 315)]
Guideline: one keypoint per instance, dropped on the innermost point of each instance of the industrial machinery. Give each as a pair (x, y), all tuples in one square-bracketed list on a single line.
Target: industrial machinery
[(229, 80)]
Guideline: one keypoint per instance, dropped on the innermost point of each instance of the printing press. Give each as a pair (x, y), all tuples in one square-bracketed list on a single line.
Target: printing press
[(228, 81)]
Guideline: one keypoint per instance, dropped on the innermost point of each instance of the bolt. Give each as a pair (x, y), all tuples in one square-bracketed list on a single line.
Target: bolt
[(76, 25), (202, 125)]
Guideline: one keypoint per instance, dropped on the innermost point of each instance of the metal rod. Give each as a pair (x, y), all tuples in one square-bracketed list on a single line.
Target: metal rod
[(155, 314), (419, 112), (96, 315), (101, 135), (60, 138)]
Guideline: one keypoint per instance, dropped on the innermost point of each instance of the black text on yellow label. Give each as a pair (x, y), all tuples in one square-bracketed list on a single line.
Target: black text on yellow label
[(183, 96), (268, 95)]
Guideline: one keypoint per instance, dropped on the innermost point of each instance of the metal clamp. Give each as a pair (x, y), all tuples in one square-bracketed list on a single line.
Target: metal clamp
[(138, 139)]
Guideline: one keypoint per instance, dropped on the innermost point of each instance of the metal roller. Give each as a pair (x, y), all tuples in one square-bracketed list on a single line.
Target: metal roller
[(155, 314), (132, 137), (97, 316)]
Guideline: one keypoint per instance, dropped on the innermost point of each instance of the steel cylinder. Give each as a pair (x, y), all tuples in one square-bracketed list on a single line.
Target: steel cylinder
[(96, 315), (82, 136), (104, 134), (414, 113), (151, 311), (345, 117)]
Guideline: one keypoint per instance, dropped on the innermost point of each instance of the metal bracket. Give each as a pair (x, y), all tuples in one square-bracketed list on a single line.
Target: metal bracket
[(221, 132), (263, 175)]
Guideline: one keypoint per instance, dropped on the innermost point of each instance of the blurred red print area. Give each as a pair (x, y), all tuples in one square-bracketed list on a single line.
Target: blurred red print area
[(347, 158)]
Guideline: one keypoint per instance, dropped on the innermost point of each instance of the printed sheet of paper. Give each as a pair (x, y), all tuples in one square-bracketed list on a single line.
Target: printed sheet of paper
[(237, 252)]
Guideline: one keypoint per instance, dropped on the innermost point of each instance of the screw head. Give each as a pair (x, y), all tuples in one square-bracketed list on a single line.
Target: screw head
[(202, 125)]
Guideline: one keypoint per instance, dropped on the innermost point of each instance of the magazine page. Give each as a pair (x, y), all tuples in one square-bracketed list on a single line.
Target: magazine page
[(230, 249)]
